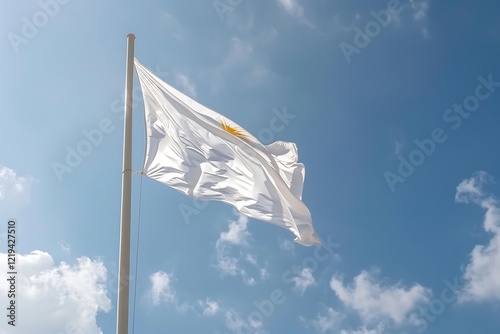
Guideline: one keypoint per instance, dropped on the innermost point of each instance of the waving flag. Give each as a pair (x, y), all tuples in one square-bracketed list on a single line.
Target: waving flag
[(207, 156)]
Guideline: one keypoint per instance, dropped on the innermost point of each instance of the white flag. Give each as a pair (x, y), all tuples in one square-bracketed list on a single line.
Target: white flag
[(207, 156)]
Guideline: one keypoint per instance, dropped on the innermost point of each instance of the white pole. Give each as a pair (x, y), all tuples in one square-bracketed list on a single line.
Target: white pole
[(124, 262)]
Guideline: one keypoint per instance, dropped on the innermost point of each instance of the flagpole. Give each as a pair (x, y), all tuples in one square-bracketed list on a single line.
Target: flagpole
[(124, 262)]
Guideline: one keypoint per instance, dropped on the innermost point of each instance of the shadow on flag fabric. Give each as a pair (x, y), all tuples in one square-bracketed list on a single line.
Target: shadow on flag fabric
[(209, 157)]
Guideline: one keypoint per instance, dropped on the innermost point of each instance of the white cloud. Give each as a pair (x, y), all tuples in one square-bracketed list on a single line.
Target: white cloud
[(187, 85), (172, 25), (239, 53), (426, 33), (59, 298), (340, 24), (292, 7), (209, 307), (15, 190), (241, 57), (286, 244), (260, 73), (227, 245), (295, 10), (161, 289), (376, 302), (240, 20), (226, 263), (331, 321), (482, 274), (328, 322), (398, 147), (251, 259), (235, 323), (264, 273), (471, 190), (304, 280), (183, 308), (238, 233), (64, 246), (364, 330), (419, 8)]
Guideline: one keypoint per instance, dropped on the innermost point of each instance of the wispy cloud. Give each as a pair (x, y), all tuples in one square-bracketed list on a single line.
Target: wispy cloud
[(304, 280), (161, 291), (187, 85), (58, 298), (398, 147), (472, 190), (235, 323), (64, 246), (342, 24), (417, 12), (161, 288), (15, 190), (332, 321), (172, 25), (232, 256), (241, 57), (363, 330), (286, 244), (327, 321), (419, 8), (295, 10), (482, 273), (237, 234), (376, 302), (209, 307)]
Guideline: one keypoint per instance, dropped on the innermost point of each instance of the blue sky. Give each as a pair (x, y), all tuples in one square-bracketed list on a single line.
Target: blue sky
[(393, 106)]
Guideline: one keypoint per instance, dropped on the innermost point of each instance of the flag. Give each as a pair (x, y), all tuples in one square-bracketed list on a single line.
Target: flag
[(209, 157)]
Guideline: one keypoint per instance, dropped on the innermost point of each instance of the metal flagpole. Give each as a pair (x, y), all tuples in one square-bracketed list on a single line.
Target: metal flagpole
[(124, 262)]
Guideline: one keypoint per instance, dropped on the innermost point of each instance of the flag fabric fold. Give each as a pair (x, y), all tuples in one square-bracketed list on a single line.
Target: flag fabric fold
[(207, 156)]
